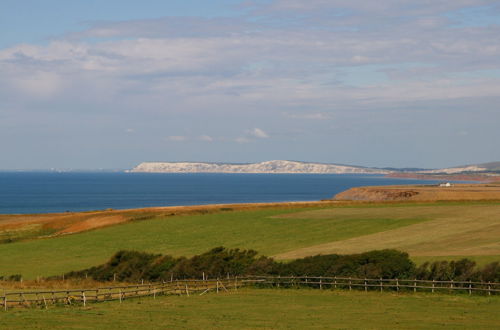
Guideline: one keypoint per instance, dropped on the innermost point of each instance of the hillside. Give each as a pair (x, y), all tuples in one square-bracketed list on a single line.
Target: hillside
[(425, 230), (274, 166), (476, 168), (286, 166), (455, 192)]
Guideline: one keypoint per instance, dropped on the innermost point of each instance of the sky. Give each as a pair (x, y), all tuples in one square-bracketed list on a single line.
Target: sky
[(89, 84)]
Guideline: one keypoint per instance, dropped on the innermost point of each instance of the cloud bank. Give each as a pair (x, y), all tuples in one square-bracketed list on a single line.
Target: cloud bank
[(341, 71)]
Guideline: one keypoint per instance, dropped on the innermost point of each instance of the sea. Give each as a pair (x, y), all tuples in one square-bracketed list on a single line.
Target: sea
[(48, 192)]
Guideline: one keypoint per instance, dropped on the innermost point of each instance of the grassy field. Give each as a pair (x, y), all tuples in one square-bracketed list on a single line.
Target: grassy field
[(454, 230), (425, 230), (271, 309)]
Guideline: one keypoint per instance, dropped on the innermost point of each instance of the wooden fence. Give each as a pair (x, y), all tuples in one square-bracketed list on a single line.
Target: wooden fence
[(188, 287), (380, 284), (84, 296)]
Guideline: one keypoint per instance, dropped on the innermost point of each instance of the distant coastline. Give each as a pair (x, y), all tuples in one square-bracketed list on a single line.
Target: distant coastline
[(273, 166), (475, 172), (445, 177)]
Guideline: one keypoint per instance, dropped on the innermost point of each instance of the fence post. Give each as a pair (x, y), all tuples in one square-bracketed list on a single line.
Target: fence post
[(320, 283), (350, 288), (489, 288), (335, 282), (187, 290), (397, 285), (366, 287), (451, 286), (415, 285), (381, 285), (279, 280), (433, 285), (217, 285), (120, 296), (5, 302), (83, 298)]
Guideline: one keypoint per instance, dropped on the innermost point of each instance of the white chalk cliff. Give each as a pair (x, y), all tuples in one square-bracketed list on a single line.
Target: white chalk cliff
[(273, 166)]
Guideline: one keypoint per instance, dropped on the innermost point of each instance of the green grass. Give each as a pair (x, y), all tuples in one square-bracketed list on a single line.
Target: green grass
[(26, 232), (186, 235), (271, 309), (450, 230), (426, 231)]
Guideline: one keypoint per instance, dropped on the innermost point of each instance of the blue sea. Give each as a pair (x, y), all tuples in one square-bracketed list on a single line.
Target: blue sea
[(46, 192)]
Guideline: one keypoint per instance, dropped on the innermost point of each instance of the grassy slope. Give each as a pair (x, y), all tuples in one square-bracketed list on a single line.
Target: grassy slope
[(455, 230), (271, 309), (459, 229), (186, 235)]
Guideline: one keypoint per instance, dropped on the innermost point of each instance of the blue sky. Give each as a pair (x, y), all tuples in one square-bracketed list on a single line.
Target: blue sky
[(108, 84)]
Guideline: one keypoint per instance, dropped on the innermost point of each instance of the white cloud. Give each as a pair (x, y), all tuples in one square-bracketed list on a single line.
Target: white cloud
[(176, 138), (305, 115), (242, 140), (258, 133), (38, 84), (206, 138), (353, 58)]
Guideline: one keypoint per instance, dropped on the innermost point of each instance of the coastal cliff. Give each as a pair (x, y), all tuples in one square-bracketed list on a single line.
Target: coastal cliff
[(452, 192), (274, 166)]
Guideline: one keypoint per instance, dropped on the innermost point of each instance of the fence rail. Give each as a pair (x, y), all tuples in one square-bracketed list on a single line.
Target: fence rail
[(187, 287), (84, 296), (350, 283)]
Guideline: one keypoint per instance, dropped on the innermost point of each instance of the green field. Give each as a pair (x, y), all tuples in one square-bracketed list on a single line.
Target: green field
[(271, 309), (426, 231)]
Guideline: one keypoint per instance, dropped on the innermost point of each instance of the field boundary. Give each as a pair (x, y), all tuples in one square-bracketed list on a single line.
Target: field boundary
[(84, 296), (195, 286), (351, 283)]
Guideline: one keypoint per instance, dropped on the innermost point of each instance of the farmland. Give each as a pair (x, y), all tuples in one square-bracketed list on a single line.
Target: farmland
[(272, 309), (428, 231)]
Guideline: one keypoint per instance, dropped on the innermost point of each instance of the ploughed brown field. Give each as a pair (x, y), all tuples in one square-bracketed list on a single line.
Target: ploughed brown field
[(421, 193)]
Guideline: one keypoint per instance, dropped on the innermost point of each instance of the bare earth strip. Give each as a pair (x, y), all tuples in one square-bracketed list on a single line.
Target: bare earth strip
[(452, 231)]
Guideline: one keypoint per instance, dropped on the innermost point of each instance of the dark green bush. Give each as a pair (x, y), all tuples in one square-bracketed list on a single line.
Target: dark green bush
[(134, 266)]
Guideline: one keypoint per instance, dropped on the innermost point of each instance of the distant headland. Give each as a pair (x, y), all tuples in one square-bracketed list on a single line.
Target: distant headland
[(286, 166)]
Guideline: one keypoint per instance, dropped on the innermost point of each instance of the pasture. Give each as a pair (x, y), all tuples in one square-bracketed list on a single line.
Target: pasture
[(271, 309), (426, 230)]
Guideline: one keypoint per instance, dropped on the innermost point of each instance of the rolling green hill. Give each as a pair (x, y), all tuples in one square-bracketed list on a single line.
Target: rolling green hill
[(424, 230)]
